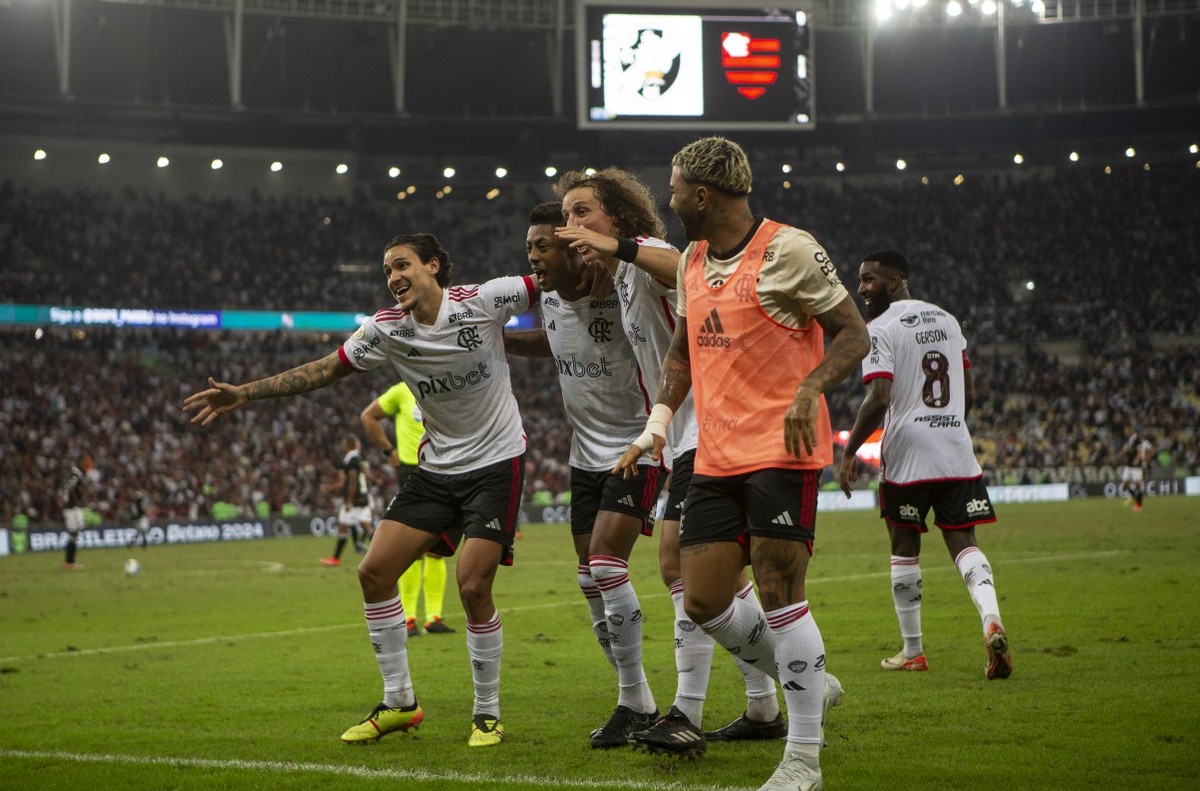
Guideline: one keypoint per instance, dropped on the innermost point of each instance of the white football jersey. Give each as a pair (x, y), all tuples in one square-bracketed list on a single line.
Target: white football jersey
[(921, 348), (605, 400), (648, 318), (456, 368)]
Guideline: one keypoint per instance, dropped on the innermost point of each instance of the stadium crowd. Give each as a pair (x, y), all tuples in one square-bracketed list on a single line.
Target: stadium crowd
[(1106, 254)]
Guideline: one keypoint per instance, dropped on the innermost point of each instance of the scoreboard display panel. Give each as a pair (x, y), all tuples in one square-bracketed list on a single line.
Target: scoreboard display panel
[(697, 65)]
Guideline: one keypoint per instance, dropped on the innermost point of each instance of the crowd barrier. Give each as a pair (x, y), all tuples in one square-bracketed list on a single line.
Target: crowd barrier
[(50, 538)]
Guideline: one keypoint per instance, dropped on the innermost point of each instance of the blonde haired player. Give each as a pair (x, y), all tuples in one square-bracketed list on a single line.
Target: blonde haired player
[(757, 299)]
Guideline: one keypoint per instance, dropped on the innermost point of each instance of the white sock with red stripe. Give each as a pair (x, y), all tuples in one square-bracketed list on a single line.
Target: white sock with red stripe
[(906, 596), (485, 641), (977, 574), (742, 630), (596, 608), (762, 704), (693, 660), (624, 615), (389, 636), (800, 658)]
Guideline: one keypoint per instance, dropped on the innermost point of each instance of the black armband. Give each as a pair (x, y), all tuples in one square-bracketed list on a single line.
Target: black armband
[(627, 249)]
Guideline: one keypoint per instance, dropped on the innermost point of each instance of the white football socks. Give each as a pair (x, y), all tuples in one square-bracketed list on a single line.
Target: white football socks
[(977, 574), (596, 609), (624, 614), (693, 661), (800, 658), (906, 596), (389, 637), (485, 642)]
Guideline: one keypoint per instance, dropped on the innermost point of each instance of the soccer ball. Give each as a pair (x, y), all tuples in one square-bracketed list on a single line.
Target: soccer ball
[(132, 567)]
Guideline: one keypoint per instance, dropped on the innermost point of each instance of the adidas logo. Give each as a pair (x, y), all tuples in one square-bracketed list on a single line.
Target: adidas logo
[(793, 686), (687, 737), (493, 525), (783, 519), (712, 333), (628, 500), (413, 353)]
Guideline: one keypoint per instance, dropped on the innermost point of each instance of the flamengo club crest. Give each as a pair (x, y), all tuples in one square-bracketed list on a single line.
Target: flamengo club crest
[(751, 64)]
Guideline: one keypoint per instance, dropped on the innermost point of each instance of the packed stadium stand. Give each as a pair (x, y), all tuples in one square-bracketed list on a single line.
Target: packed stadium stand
[(1105, 340), (1048, 201)]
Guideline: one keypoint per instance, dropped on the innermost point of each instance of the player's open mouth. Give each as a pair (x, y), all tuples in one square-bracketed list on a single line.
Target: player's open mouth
[(539, 274), (400, 291)]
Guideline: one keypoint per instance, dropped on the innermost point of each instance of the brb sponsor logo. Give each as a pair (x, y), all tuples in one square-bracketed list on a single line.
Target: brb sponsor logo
[(909, 512), (452, 381), (978, 506)]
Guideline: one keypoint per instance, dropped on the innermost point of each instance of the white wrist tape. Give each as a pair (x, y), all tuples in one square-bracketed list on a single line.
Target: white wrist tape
[(660, 416)]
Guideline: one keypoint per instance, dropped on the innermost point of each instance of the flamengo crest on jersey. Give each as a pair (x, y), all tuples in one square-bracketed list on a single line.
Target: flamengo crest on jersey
[(459, 373), (648, 318), (605, 401), (925, 436)]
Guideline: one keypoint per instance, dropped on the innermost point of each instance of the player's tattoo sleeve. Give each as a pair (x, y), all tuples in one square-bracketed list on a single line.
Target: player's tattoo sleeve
[(848, 345), (301, 379), (677, 369)]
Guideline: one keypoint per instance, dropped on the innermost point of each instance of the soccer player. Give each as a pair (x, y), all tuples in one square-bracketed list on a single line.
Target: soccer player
[(611, 217), (354, 489), (403, 455), (72, 493), (606, 404), (756, 301), (140, 514), (448, 344), (918, 376), (1136, 453)]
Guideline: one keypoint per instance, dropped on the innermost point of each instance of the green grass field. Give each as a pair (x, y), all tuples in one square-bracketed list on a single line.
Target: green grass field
[(238, 665)]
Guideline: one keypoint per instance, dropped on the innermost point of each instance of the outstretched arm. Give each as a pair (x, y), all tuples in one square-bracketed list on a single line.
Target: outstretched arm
[(222, 397), (870, 412), (848, 345), (661, 262)]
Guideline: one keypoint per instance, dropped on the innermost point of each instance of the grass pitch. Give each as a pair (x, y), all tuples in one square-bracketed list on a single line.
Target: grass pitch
[(238, 665)]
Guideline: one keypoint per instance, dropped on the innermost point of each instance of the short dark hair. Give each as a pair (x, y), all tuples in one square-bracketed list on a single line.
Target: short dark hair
[(891, 259), (427, 247), (548, 213)]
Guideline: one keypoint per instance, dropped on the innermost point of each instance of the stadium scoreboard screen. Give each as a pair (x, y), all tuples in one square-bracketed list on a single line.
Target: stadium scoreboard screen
[(699, 65)]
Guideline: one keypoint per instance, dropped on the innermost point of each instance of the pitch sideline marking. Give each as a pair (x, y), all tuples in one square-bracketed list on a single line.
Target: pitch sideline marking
[(289, 767), (227, 638), (313, 629), (1008, 561)]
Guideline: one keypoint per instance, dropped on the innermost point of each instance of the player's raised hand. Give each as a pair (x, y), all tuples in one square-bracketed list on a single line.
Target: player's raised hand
[(800, 423), (591, 245), (219, 398)]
